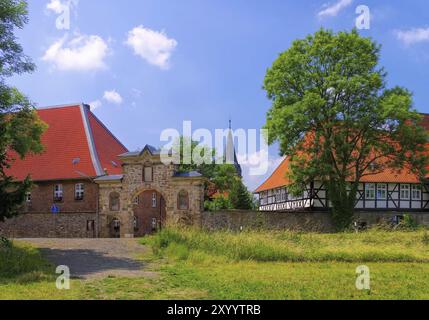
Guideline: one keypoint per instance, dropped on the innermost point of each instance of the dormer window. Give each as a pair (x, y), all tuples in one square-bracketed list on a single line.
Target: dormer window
[(58, 193), (147, 174)]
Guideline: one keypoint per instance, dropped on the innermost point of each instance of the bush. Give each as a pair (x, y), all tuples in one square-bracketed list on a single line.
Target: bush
[(408, 223)]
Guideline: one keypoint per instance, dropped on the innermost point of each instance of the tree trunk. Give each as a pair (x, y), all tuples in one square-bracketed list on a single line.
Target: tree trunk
[(343, 202)]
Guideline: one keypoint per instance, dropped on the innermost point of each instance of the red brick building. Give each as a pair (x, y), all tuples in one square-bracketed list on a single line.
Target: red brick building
[(77, 149), (87, 184)]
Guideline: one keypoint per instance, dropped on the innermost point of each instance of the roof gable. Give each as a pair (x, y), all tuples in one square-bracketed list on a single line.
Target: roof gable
[(76, 145)]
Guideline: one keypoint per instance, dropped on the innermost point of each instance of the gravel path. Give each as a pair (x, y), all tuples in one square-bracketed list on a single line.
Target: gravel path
[(95, 258)]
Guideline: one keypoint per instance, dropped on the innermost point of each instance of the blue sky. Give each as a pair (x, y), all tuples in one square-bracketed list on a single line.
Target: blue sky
[(148, 65)]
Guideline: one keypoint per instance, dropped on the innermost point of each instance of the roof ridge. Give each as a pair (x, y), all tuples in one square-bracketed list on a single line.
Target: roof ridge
[(59, 106), (104, 126), (90, 140)]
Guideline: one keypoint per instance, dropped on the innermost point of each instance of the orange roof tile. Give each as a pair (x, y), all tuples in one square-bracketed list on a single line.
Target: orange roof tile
[(76, 144)]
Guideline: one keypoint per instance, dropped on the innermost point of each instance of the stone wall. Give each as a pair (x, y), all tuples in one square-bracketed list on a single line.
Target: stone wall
[(317, 221), (234, 220), (48, 225)]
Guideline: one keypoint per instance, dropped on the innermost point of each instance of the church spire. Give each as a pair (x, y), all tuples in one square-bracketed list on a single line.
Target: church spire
[(231, 156)]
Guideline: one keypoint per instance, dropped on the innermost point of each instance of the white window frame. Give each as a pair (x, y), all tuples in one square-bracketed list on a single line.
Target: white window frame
[(28, 197), (416, 192), (382, 191), (58, 192), (154, 200), (79, 191), (370, 191), (404, 193)]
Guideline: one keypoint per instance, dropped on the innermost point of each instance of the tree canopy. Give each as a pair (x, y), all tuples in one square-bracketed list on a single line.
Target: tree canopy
[(336, 120), (20, 127)]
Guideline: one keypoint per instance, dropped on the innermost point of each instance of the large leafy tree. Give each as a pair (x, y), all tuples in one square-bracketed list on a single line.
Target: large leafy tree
[(232, 193), (335, 119), (20, 128)]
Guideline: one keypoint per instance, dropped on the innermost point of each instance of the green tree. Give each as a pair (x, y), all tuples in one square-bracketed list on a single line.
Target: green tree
[(221, 175), (240, 197), (20, 128), (335, 119)]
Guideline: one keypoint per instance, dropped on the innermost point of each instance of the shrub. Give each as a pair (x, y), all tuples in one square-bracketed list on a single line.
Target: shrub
[(408, 223)]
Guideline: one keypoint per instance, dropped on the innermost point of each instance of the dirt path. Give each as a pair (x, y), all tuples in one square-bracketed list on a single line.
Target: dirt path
[(95, 258)]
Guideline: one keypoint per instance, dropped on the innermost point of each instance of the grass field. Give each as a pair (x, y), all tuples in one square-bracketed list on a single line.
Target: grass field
[(250, 265)]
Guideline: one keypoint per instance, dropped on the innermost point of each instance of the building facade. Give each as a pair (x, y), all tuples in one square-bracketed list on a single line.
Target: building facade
[(392, 191), (87, 184)]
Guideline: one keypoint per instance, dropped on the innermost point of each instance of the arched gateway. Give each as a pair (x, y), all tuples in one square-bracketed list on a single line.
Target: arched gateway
[(148, 195)]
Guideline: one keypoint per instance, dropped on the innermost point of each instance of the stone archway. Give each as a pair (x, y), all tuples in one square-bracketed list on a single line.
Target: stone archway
[(149, 212)]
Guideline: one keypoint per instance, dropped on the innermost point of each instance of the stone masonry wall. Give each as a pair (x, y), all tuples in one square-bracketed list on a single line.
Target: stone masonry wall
[(298, 221), (48, 225), (163, 182)]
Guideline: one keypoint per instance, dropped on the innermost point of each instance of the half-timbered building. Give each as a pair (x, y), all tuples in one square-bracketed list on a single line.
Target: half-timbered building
[(391, 190)]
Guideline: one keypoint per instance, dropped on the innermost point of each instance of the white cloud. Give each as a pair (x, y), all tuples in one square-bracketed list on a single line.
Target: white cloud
[(332, 10), (81, 53), (255, 160), (95, 104), (413, 36), (58, 6), (153, 46), (113, 97)]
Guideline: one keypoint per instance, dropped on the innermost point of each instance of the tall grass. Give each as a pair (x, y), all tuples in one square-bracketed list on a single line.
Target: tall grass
[(21, 262), (371, 246)]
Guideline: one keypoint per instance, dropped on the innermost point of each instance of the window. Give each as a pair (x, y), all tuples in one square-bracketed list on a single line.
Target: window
[(154, 200), (136, 223), (183, 200), (114, 202), (370, 191), (381, 191), (283, 195), (58, 192), (28, 197), (90, 225), (278, 195), (416, 192), (405, 191), (79, 191), (147, 174), (136, 201)]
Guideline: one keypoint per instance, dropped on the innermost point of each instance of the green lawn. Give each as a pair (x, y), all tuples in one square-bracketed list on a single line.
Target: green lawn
[(254, 265)]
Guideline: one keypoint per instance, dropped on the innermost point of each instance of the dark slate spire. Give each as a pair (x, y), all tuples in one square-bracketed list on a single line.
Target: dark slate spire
[(231, 156)]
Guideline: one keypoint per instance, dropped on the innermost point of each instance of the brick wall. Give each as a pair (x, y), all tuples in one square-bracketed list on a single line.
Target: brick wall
[(42, 197), (145, 212)]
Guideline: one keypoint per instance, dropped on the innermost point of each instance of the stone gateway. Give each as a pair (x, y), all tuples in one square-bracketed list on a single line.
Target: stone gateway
[(148, 195)]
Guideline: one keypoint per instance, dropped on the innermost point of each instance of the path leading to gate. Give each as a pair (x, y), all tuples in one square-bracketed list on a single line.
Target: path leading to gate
[(95, 258)]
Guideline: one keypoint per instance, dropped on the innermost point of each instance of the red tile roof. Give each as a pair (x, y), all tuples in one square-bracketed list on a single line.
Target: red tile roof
[(277, 179), (76, 144)]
